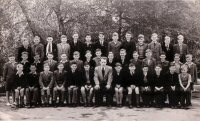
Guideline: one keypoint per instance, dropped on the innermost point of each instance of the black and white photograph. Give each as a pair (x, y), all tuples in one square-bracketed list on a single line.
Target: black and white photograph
[(99, 60)]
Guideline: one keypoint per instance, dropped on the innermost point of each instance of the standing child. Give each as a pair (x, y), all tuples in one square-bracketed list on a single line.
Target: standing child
[(76, 58), (111, 61), (38, 48), (97, 59), (37, 62), (63, 47), (168, 49), (52, 63), (9, 71), (46, 84), (26, 64), (51, 47), (20, 86), (185, 86), (141, 47), (123, 59), (149, 61), (88, 56), (64, 60)]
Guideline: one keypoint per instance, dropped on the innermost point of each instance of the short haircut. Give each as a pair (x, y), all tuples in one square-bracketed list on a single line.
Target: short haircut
[(180, 35), (49, 54), (140, 36), (131, 64), (88, 51), (103, 58), (148, 50), (73, 63), (101, 33), (128, 32), (154, 34), (86, 63), (177, 55), (19, 65), (135, 52), (184, 66), (172, 64), (158, 65), (188, 55), (110, 53), (46, 64), (60, 64), (11, 55), (97, 50), (76, 53), (115, 34), (145, 65), (33, 65), (122, 49), (162, 53), (118, 64), (36, 37), (75, 32), (63, 36), (25, 53)]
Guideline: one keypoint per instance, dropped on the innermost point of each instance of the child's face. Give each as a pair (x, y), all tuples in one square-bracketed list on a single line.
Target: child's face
[(128, 36), (118, 68), (36, 40), (63, 57), (135, 56), (103, 62), (37, 58), (110, 56), (75, 36), (176, 58), (20, 68), (101, 36), (33, 68), (172, 69), (162, 57), (88, 38), (122, 53), (87, 67), (167, 40), (154, 38), (148, 54), (46, 68), (12, 59), (184, 70), (49, 39), (141, 40), (145, 69), (158, 69), (189, 59), (88, 55), (25, 43), (76, 56), (60, 67), (73, 66), (132, 68), (63, 40), (98, 54), (50, 56), (180, 39), (115, 37), (24, 56)]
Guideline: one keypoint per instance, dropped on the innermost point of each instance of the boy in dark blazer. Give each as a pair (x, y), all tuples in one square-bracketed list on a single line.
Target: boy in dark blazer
[(97, 58), (102, 44), (136, 61), (87, 89), (38, 48), (163, 62), (9, 71), (123, 59), (168, 49), (60, 78), (51, 47), (38, 63), (149, 61), (20, 86), (46, 84), (32, 87), (76, 58), (88, 45), (132, 85), (74, 83), (88, 56), (141, 47), (26, 64), (181, 48), (111, 60), (129, 45), (52, 63), (24, 48)]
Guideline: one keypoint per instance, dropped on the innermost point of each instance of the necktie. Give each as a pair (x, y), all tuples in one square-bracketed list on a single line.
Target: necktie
[(103, 72)]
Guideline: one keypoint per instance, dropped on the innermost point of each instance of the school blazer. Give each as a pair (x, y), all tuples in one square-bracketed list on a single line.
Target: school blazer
[(80, 65), (169, 52), (78, 47), (118, 79), (91, 77), (177, 49), (192, 70), (104, 47), (100, 79), (60, 79), (130, 47), (63, 50), (52, 65), (115, 48), (126, 62), (39, 49), (156, 50), (9, 71), (46, 80), (151, 64)]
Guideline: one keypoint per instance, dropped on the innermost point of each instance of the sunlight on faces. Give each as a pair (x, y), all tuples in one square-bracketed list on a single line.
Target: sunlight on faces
[(37, 57), (25, 42), (36, 40), (172, 69), (154, 37), (64, 39), (76, 56), (19, 67), (141, 41), (49, 39), (180, 39), (122, 53), (63, 57), (184, 69), (135, 56), (101, 36), (98, 53), (177, 58), (110, 55), (132, 67), (50, 56), (118, 68), (24, 56), (11, 59), (115, 36), (88, 55), (46, 67), (189, 58), (162, 57), (167, 39), (148, 54), (103, 62), (158, 69), (87, 67), (145, 69)]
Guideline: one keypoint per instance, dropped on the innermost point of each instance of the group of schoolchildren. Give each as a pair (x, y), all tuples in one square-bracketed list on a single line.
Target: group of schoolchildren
[(115, 73)]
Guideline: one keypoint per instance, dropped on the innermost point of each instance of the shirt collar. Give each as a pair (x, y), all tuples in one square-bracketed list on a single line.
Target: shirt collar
[(22, 73), (24, 61), (63, 61), (33, 72)]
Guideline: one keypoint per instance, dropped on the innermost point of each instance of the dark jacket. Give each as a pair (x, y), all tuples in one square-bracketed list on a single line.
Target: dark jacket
[(78, 47), (74, 79), (130, 47), (21, 49), (131, 79), (91, 77), (118, 79), (104, 47), (168, 51), (46, 80), (9, 72), (33, 80), (20, 81), (60, 78)]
